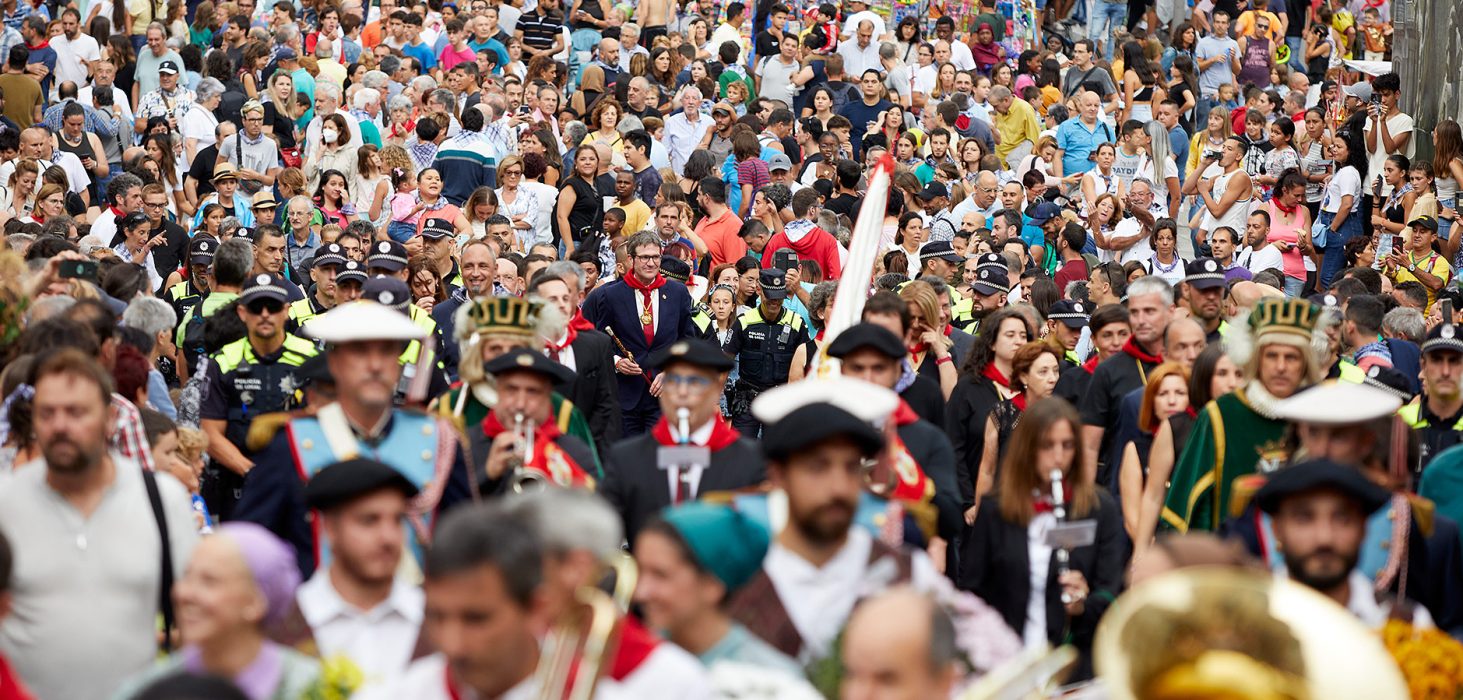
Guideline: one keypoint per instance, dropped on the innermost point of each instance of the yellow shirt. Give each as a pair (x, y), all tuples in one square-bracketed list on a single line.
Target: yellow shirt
[(637, 215), (1018, 124), (1246, 23), (142, 15), (1434, 265)]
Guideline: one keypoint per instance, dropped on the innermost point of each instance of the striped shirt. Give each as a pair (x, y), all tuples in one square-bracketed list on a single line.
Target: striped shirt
[(539, 29)]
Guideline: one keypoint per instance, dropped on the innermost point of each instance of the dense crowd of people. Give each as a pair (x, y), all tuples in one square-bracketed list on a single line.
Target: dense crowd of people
[(794, 350)]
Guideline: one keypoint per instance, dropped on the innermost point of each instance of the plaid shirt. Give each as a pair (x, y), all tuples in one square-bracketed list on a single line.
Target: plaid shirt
[(127, 434), (99, 123)]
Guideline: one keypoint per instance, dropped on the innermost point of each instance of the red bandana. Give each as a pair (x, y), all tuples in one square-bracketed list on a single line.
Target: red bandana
[(1132, 348), (990, 372), (1288, 211), (903, 414), (722, 434), (548, 458), (636, 644), (579, 322), (645, 289), (1019, 401), (1091, 364), (647, 317)]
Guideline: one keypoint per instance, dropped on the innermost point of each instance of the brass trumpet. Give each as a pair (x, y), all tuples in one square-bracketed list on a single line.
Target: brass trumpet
[(588, 636), (523, 479)]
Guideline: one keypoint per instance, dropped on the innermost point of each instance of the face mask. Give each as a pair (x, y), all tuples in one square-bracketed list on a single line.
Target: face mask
[(329, 135)]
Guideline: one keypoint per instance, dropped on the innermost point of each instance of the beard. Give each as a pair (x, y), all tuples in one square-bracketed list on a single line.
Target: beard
[(1309, 569), (67, 457), (827, 523)]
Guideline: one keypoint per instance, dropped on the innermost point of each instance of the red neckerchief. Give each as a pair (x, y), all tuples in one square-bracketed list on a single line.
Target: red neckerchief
[(42, 45), (1090, 365), (548, 458), (558, 348), (117, 213), (11, 687), (647, 318), (990, 372), (903, 414), (1019, 401), (1191, 411), (579, 322), (722, 434), (636, 644), (451, 684), (1131, 347), (819, 337), (1043, 505), (948, 330), (1288, 211), (645, 289)]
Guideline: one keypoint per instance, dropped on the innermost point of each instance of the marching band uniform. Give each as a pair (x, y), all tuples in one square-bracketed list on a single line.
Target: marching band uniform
[(1238, 433), (467, 403), (635, 483), (556, 457), (422, 448)]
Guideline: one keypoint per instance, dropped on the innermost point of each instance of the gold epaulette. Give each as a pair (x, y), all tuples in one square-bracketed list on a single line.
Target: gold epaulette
[(1241, 491), (1423, 511), (263, 428)]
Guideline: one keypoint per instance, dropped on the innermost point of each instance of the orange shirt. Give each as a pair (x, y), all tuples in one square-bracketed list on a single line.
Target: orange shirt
[(371, 35), (722, 239)]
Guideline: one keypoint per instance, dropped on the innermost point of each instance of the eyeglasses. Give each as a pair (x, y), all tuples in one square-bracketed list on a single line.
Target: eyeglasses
[(512, 173), (154, 205), (689, 381), (263, 306), (647, 258)]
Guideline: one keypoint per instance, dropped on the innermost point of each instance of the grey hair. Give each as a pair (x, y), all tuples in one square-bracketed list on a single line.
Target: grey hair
[(366, 97), (61, 226), (567, 520), (323, 47), (375, 79), (999, 92), (691, 89), (48, 307), (149, 315), (424, 84), (566, 270), (89, 243), (286, 35), (445, 98), (19, 242), (822, 294), (1406, 323), (575, 131), (158, 26), (329, 90), (630, 27), (209, 88), (232, 262), (887, 50), (398, 102), (229, 226), (1151, 284)]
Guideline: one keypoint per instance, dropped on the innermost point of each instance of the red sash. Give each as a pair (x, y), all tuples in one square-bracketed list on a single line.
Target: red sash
[(911, 483)]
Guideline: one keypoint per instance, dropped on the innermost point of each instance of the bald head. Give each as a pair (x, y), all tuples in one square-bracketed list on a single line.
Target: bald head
[(901, 644), (1183, 340)]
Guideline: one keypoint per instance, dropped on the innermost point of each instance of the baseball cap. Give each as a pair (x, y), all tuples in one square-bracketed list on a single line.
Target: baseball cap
[(933, 190), (1044, 212), (1361, 90), (1426, 222), (168, 68), (285, 54), (779, 161)]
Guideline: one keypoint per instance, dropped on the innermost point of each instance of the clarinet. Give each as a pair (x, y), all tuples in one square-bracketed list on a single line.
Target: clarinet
[(1059, 509)]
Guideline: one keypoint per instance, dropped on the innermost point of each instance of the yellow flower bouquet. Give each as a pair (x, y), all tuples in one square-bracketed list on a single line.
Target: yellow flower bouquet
[(1431, 661)]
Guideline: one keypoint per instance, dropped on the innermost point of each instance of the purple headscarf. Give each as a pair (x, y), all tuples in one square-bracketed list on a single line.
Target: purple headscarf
[(270, 561)]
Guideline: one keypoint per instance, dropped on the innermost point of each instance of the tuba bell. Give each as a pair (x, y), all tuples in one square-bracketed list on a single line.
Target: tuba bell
[(1234, 634), (575, 651)]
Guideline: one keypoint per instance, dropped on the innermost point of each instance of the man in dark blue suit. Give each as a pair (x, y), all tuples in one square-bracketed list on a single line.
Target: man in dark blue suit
[(643, 312)]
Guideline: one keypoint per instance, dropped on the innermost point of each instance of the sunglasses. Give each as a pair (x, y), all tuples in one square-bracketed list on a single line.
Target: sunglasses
[(263, 306)]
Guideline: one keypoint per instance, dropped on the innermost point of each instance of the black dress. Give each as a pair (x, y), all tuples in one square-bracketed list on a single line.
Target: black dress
[(587, 214)]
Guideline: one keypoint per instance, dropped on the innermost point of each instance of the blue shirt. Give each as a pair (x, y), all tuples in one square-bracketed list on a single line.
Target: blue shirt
[(860, 114), (46, 55), (423, 53), (1078, 141), (497, 48), (1178, 143)]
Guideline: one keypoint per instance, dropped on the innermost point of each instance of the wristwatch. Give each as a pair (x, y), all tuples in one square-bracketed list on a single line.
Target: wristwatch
[(1412, 267)]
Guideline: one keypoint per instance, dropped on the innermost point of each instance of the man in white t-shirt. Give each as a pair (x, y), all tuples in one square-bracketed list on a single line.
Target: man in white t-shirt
[(858, 11), (959, 53), (76, 53), (1130, 159), (1259, 255), (1385, 137)]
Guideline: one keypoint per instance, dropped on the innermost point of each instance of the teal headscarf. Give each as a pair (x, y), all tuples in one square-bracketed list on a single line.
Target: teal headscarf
[(724, 542)]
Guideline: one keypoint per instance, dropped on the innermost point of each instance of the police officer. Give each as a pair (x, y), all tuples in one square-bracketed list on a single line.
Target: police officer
[(763, 341), (1065, 322), (984, 292), (350, 282), (323, 269), (363, 343), (230, 270), (1437, 415), (249, 377), (389, 259), (185, 295)]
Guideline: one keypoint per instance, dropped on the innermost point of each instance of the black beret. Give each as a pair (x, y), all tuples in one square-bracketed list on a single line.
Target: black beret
[(692, 351), (867, 335), (342, 482), (1316, 474), (813, 424)]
